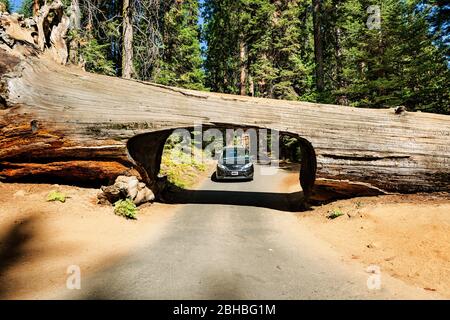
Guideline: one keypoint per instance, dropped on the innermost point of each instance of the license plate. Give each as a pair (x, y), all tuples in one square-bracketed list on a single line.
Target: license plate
[(234, 173)]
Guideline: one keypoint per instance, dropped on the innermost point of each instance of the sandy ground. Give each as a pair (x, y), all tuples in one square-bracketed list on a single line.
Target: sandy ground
[(407, 236), (39, 240)]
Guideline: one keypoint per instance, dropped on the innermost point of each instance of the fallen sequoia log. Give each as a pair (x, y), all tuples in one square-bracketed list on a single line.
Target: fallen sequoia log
[(57, 121)]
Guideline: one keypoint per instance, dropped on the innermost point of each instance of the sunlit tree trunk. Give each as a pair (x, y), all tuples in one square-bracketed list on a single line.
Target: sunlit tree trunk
[(243, 67), (127, 49), (75, 15), (35, 7)]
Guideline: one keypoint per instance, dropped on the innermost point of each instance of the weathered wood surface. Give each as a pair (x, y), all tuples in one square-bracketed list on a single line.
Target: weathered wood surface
[(54, 114)]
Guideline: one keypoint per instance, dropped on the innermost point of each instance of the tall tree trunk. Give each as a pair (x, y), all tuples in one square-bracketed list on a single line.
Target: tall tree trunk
[(251, 81), (252, 86), (342, 98), (75, 25), (243, 67), (318, 45), (35, 7), (75, 15), (127, 48)]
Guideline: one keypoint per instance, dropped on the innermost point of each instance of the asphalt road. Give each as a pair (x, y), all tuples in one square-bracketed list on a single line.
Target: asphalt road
[(237, 240)]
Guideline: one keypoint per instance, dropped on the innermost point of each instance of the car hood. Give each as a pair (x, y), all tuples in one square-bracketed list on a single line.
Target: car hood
[(234, 166)]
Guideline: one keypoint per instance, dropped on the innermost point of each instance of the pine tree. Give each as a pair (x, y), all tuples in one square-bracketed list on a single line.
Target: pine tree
[(26, 8), (395, 65), (292, 45), (255, 25), (220, 32), (440, 22), (276, 62), (147, 38), (181, 63), (318, 43)]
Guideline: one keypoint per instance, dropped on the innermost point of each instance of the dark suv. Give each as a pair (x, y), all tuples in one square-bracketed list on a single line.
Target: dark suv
[(235, 163)]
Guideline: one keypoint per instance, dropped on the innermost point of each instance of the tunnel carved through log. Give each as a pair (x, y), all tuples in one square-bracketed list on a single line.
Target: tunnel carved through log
[(147, 149)]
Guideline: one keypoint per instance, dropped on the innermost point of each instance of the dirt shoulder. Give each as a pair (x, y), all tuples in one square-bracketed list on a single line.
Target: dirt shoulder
[(407, 236), (39, 240)]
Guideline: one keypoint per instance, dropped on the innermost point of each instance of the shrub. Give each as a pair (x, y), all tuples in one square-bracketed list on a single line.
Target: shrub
[(56, 196), (95, 55), (180, 168), (125, 208), (336, 213)]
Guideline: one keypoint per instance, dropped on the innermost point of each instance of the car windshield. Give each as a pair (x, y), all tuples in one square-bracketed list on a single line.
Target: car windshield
[(234, 156)]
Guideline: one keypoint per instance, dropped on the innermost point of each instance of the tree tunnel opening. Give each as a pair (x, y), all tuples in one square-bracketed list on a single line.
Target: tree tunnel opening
[(149, 150)]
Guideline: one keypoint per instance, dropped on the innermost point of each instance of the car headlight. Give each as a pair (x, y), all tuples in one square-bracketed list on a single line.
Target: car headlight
[(247, 166), (221, 166)]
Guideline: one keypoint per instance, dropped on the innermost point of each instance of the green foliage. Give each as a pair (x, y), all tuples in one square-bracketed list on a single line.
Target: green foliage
[(221, 35), (95, 56), (56, 196), (125, 208), (400, 64), (335, 213), (181, 63), (181, 168), (277, 42), (440, 22), (403, 63), (26, 8)]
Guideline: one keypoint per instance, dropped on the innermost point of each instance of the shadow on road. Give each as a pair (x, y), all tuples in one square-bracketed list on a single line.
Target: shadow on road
[(290, 202)]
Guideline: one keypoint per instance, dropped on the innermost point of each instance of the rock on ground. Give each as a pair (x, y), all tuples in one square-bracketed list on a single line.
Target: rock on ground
[(126, 188)]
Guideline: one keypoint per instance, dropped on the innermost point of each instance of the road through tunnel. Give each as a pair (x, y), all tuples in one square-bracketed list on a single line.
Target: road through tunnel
[(147, 150)]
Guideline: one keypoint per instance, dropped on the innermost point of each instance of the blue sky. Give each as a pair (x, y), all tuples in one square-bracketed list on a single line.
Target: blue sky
[(15, 3)]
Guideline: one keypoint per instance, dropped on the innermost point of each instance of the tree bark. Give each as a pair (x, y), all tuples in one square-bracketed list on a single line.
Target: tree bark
[(42, 23), (75, 25), (342, 98), (58, 41), (127, 46), (75, 15), (318, 43), (13, 29), (243, 67), (35, 7)]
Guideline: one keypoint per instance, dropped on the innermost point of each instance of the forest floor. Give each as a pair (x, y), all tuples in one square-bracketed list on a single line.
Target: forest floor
[(407, 236)]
